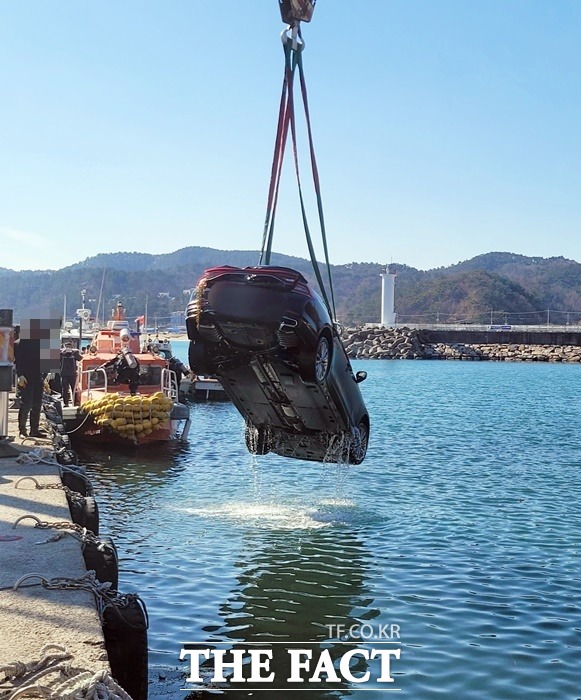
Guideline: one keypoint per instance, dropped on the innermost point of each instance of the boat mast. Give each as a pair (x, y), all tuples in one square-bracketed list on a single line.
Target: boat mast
[(100, 298)]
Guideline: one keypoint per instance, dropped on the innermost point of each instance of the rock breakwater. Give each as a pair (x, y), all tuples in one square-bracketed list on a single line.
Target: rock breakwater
[(414, 344)]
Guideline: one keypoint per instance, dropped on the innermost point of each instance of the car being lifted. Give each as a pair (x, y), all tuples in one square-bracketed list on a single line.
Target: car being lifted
[(269, 338)]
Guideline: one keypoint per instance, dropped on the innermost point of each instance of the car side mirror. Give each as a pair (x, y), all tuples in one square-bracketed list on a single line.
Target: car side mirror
[(361, 376)]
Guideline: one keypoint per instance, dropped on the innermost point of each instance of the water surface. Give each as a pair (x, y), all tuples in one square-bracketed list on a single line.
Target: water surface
[(462, 527)]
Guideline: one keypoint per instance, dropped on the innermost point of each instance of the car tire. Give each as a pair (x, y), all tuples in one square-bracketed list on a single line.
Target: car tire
[(314, 364), (197, 358), (257, 439), (358, 445)]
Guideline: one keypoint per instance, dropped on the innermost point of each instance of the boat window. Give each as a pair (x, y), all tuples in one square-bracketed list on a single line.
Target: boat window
[(150, 375), (97, 378)]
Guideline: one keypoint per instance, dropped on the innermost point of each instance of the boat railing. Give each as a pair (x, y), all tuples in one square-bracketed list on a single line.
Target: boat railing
[(89, 372), (169, 383)]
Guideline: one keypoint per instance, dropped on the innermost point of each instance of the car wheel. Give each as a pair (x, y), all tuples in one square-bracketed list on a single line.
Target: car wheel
[(358, 446), (197, 358), (314, 364), (257, 439)]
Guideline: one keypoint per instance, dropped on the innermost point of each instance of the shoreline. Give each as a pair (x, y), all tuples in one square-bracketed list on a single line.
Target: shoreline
[(174, 336)]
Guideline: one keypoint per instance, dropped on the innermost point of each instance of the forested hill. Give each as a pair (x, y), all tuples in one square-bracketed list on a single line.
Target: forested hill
[(494, 287)]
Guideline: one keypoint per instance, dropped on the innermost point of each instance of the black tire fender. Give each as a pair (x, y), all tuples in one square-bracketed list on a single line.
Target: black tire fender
[(84, 512), (91, 513), (67, 457), (125, 632), (102, 558), (77, 480)]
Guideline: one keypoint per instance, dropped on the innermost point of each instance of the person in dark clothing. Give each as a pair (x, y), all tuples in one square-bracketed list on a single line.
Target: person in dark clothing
[(179, 368), (126, 369), (69, 358), (30, 384), (36, 354)]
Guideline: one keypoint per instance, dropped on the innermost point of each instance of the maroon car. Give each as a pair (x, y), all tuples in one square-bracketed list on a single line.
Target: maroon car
[(268, 337)]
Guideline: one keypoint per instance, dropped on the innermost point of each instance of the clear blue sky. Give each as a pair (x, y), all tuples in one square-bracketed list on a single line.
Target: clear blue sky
[(443, 128)]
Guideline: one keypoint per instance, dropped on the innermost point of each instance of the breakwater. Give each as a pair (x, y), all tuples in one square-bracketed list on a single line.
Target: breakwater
[(423, 344)]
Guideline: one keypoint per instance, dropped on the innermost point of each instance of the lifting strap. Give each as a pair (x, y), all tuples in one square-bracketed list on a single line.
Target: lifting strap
[(293, 45)]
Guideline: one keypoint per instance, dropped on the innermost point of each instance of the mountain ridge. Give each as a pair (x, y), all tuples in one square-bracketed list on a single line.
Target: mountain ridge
[(492, 287)]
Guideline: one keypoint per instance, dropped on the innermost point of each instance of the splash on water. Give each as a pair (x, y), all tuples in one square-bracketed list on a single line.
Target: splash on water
[(276, 516)]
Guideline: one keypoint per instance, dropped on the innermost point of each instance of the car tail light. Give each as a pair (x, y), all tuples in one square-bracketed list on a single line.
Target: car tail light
[(302, 288)]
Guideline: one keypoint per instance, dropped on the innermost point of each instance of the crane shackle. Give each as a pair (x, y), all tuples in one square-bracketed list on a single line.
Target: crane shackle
[(294, 11)]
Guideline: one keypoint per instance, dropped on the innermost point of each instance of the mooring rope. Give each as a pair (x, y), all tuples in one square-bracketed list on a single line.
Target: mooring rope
[(74, 430), (39, 455), (104, 598), (23, 679)]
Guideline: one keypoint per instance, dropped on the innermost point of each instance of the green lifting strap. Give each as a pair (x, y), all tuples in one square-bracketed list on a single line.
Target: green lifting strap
[(286, 120), (317, 186)]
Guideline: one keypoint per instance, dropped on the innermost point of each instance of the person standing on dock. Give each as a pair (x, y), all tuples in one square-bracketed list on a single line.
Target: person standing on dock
[(69, 358), (34, 357)]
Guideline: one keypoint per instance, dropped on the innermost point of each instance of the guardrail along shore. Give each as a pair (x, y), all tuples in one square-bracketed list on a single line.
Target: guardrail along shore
[(437, 343)]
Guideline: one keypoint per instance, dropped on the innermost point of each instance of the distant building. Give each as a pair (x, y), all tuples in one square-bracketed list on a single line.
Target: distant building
[(177, 321)]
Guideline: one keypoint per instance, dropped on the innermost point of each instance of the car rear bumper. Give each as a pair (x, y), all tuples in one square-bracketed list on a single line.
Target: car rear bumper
[(254, 318)]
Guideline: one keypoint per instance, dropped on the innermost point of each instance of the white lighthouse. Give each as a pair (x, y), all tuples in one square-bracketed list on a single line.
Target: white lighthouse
[(388, 296)]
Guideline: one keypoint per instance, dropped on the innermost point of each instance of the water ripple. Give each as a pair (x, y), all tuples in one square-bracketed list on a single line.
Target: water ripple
[(461, 528)]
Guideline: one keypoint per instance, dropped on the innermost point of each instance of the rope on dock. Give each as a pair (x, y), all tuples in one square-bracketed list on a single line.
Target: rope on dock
[(23, 679), (104, 597), (39, 455), (42, 455)]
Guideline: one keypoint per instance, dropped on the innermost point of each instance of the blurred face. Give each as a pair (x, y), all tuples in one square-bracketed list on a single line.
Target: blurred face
[(44, 325)]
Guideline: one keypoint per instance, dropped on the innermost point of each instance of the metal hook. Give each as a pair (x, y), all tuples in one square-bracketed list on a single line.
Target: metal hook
[(27, 477), (23, 517), (23, 578), (292, 33)]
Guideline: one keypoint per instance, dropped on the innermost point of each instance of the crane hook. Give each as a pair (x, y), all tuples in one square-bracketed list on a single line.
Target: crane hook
[(294, 11), (294, 36)]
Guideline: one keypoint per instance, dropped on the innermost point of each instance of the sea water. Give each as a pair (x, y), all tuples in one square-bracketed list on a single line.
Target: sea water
[(457, 541)]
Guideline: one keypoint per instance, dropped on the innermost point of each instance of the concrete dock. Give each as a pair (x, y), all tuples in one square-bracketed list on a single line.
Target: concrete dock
[(33, 616)]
